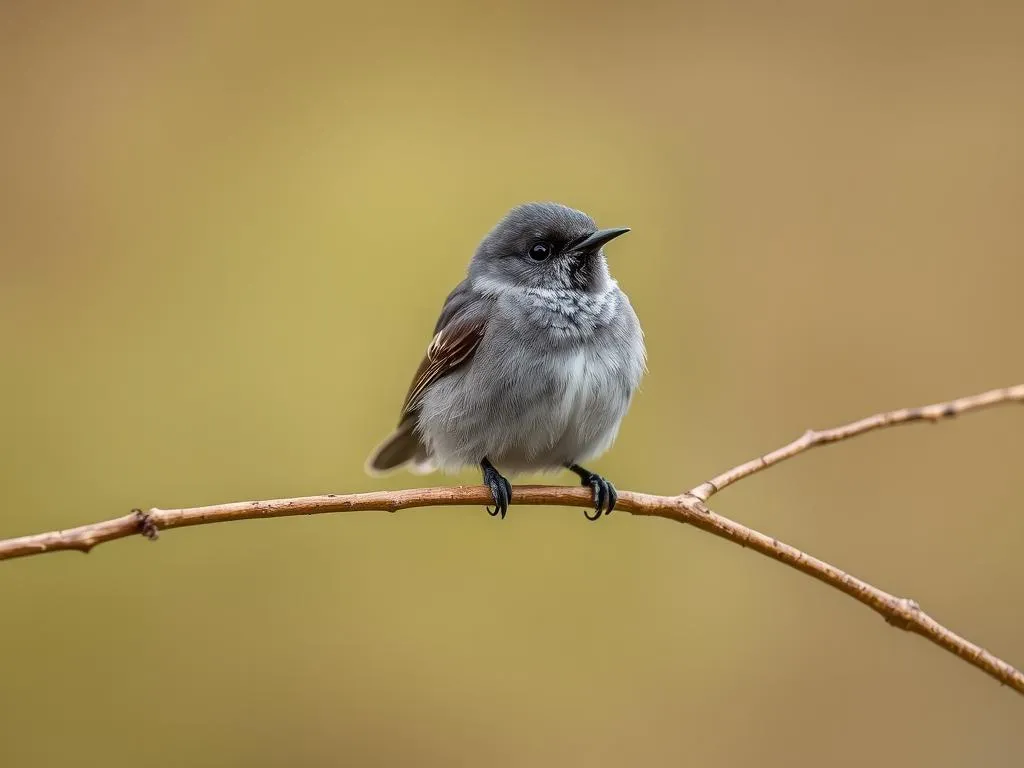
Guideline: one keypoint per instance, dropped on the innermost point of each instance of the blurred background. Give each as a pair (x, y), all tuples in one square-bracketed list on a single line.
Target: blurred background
[(226, 230)]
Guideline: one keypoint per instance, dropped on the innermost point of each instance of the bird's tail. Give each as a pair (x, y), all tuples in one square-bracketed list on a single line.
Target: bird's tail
[(400, 447)]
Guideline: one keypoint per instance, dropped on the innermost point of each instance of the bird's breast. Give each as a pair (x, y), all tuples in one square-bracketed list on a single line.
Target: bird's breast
[(575, 379), (564, 314), (584, 383)]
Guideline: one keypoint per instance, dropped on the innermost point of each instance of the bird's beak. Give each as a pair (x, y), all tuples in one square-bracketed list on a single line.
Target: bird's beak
[(595, 240)]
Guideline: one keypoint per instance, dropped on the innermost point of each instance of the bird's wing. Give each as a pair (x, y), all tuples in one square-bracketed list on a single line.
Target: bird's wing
[(457, 334), (451, 347)]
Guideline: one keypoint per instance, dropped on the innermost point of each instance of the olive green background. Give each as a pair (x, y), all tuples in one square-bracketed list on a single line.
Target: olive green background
[(225, 232)]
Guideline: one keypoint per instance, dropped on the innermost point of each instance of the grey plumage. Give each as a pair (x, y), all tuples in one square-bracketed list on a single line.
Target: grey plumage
[(536, 356)]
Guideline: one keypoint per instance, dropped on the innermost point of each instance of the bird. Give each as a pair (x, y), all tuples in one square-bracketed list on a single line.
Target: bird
[(535, 359)]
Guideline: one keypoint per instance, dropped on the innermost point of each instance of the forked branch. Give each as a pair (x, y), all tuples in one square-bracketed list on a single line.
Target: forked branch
[(688, 507)]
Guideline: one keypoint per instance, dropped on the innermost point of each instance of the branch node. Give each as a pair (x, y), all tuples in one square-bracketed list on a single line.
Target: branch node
[(694, 500), (916, 414), (146, 525), (905, 613)]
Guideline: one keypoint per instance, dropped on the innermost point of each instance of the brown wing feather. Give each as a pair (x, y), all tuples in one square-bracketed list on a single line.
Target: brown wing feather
[(450, 348)]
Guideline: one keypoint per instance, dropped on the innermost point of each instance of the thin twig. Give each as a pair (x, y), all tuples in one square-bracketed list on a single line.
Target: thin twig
[(813, 438), (686, 508)]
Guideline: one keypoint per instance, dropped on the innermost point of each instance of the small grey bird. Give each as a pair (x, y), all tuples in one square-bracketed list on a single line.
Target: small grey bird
[(534, 360)]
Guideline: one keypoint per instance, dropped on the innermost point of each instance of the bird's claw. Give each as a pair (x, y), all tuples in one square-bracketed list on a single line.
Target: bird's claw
[(605, 495), (501, 491)]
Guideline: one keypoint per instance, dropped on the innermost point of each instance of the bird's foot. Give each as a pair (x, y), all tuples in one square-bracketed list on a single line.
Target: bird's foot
[(501, 489), (605, 494)]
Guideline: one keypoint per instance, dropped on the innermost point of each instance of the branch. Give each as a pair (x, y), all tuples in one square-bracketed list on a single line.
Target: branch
[(686, 508), (813, 438)]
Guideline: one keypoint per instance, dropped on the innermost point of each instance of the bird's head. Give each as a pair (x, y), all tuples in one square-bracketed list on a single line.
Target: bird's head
[(544, 245)]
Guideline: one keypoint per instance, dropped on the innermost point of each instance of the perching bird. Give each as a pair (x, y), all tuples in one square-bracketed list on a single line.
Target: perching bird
[(534, 361)]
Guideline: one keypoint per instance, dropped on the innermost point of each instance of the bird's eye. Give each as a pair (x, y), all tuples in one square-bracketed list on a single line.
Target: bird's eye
[(539, 251)]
